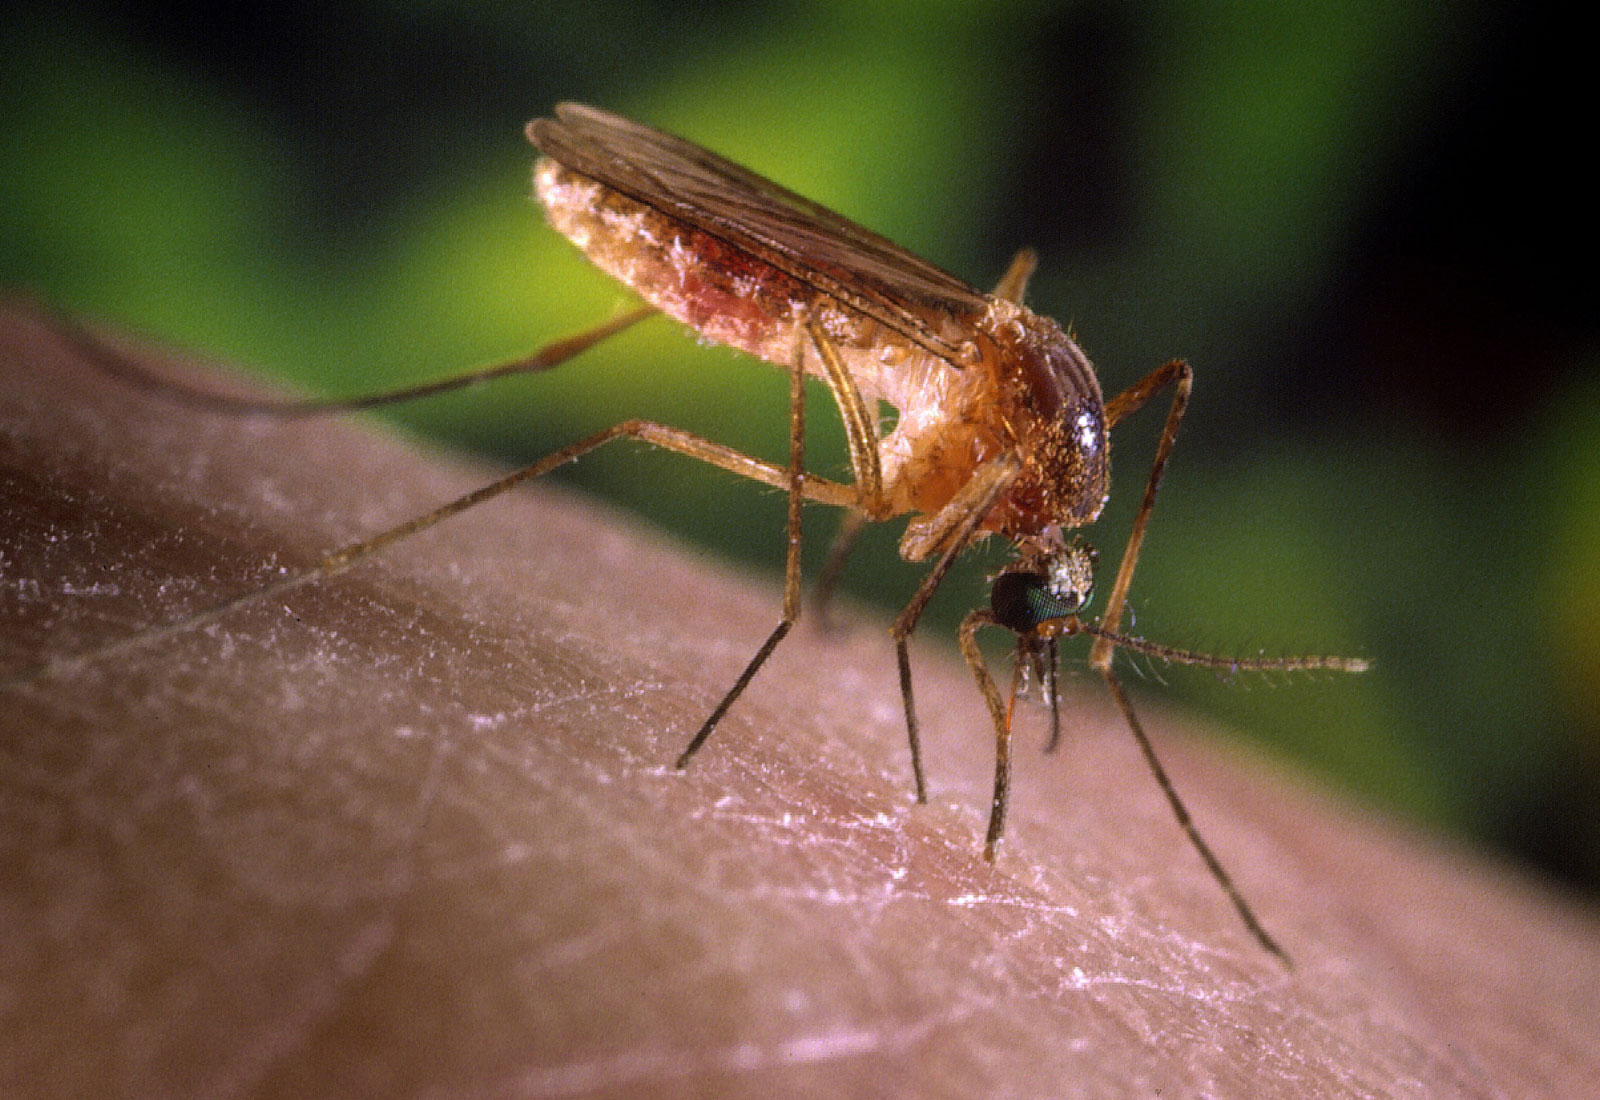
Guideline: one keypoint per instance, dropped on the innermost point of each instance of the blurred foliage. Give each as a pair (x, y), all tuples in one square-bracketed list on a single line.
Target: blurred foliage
[(1353, 219)]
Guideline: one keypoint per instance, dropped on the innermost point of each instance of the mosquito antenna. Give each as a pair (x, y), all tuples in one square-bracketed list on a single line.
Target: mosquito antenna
[(1179, 656), (113, 362)]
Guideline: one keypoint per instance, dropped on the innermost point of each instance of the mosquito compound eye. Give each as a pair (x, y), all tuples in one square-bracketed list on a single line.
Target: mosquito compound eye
[(1021, 600)]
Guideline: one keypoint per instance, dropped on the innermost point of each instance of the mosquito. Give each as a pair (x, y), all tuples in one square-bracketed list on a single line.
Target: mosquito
[(1002, 429)]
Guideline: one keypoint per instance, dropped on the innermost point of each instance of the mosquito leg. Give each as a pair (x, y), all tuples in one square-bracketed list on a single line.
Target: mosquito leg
[(861, 437), (1177, 375), (113, 362), (1013, 285), (851, 524), (935, 534), (1181, 812), (1000, 713), (796, 477), (337, 561), (953, 529), (860, 426)]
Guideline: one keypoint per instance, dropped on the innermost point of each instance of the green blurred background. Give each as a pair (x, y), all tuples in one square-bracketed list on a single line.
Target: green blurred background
[(1363, 224)]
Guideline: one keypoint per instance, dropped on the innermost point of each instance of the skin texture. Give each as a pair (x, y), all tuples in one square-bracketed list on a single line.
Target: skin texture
[(413, 832)]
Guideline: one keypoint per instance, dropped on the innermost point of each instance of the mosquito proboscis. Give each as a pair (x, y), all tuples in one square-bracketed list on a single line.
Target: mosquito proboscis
[(1002, 429)]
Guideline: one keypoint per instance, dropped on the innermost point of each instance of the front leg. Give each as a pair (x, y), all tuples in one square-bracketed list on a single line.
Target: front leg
[(952, 530), (1177, 375)]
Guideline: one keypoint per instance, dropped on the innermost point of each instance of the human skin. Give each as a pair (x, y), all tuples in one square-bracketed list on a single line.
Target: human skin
[(413, 831)]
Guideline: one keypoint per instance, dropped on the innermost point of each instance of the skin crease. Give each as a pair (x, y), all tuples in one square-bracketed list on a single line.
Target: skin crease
[(413, 831)]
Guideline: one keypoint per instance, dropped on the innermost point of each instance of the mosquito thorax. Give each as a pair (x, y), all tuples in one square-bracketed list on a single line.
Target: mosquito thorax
[(1049, 402), (1044, 584)]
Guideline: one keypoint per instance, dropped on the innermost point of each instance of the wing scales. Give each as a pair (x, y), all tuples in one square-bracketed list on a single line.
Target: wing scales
[(805, 240)]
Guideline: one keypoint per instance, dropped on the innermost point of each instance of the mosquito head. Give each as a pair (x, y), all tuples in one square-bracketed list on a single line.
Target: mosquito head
[(1051, 579)]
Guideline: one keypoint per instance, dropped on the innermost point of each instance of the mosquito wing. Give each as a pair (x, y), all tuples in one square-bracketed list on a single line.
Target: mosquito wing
[(806, 241)]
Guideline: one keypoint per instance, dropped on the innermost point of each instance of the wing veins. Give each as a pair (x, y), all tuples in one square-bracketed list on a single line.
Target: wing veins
[(835, 256)]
